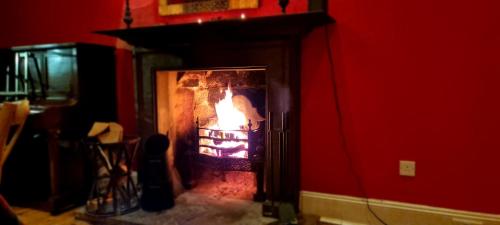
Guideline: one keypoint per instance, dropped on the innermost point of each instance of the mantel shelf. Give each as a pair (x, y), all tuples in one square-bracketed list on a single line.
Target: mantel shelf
[(250, 29)]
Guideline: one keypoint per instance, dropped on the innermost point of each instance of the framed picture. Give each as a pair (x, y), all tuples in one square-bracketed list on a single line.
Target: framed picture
[(176, 7)]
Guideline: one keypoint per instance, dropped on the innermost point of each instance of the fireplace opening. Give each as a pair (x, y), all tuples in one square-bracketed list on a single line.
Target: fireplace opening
[(215, 120)]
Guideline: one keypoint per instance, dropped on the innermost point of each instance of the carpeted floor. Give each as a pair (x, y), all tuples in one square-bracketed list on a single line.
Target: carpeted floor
[(195, 209)]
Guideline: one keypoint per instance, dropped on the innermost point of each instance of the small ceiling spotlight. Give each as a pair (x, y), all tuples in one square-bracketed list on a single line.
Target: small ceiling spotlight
[(199, 21), (243, 16)]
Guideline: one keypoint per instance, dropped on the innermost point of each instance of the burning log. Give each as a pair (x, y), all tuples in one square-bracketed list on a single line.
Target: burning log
[(226, 152)]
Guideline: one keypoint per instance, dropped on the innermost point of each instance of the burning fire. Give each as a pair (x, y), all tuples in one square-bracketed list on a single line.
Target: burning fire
[(228, 117), (228, 135)]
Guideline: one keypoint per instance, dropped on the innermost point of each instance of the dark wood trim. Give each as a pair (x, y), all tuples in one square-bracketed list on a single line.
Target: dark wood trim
[(179, 36)]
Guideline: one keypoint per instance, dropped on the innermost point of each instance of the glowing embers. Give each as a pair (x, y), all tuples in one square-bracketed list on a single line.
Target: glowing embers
[(227, 137)]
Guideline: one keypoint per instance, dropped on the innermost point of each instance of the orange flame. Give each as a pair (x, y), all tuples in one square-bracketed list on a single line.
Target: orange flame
[(229, 121), (228, 117)]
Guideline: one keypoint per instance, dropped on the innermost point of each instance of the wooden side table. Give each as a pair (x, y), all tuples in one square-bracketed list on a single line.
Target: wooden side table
[(113, 191)]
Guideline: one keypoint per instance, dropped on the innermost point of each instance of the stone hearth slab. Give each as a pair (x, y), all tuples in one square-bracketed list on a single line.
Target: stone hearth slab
[(194, 209)]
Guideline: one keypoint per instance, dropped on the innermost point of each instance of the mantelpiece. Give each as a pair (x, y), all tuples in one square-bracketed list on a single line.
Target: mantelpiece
[(216, 31)]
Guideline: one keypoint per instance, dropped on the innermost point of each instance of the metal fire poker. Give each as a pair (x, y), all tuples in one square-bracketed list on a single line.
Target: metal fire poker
[(269, 207), (281, 210)]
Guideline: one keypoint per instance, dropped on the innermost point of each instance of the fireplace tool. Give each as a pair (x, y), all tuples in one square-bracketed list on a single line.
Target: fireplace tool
[(274, 208)]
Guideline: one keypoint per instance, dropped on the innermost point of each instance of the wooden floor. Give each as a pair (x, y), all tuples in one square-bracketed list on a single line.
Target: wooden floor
[(36, 217)]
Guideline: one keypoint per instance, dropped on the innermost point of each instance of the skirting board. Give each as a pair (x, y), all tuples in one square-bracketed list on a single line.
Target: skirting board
[(347, 210)]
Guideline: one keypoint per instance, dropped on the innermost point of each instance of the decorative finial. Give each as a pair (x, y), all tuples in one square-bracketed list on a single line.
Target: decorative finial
[(283, 5), (127, 18)]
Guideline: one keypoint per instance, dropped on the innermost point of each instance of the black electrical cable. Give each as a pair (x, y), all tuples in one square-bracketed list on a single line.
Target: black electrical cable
[(343, 139)]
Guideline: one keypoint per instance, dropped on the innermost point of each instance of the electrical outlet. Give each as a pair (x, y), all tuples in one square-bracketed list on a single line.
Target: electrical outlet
[(407, 168)]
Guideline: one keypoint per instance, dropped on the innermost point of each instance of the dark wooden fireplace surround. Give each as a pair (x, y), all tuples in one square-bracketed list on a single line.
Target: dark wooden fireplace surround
[(270, 42)]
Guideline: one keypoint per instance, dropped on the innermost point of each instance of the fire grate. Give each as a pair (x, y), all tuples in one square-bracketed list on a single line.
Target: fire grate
[(230, 149), (236, 141), (247, 154)]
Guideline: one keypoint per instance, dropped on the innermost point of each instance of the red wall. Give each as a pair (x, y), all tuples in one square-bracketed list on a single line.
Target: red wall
[(417, 80), (25, 22)]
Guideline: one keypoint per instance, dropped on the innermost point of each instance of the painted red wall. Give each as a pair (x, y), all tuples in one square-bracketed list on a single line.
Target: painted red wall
[(25, 22), (416, 80)]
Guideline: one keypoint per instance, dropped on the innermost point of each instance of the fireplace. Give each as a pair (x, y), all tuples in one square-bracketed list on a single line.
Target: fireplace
[(214, 119), (277, 66), (267, 45)]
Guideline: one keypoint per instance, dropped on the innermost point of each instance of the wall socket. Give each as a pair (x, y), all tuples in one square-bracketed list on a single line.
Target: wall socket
[(407, 168)]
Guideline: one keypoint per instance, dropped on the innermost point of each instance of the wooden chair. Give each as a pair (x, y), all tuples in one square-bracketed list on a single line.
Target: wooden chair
[(12, 118)]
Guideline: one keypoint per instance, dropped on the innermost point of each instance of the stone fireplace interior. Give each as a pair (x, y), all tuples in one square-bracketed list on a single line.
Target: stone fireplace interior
[(214, 119)]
